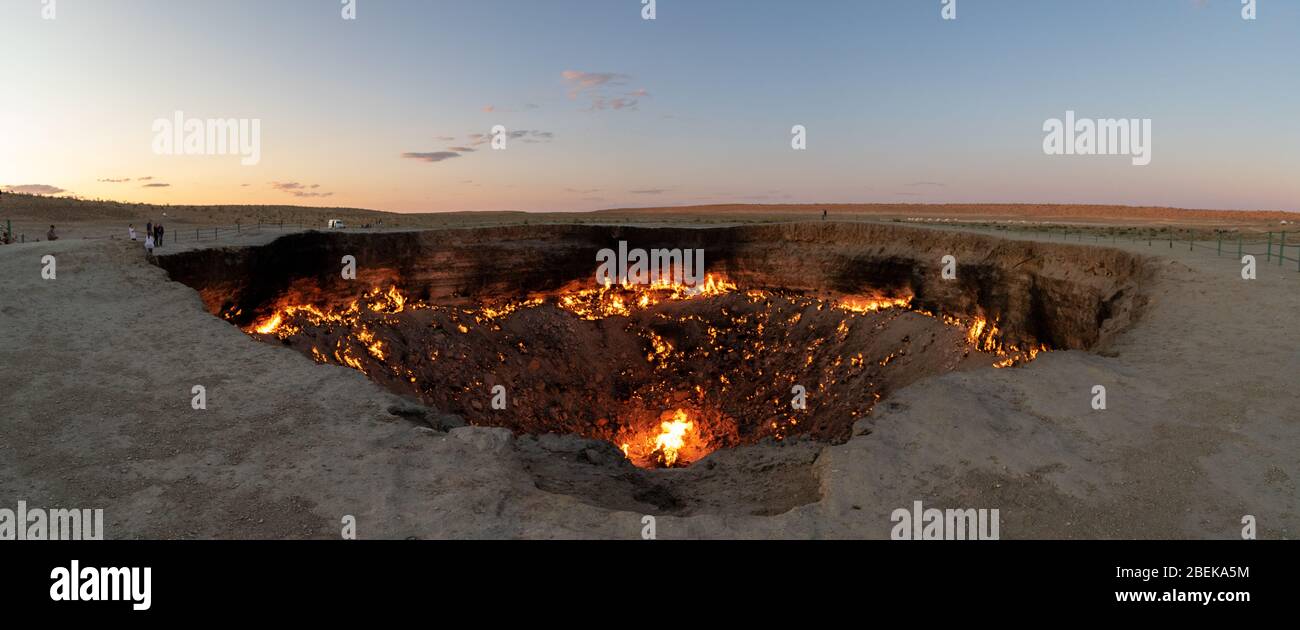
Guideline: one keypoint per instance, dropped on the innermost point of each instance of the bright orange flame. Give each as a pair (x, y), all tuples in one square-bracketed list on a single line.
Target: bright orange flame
[(267, 327), (976, 330), (872, 304), (672, 438), (713, 286), (611, 300)]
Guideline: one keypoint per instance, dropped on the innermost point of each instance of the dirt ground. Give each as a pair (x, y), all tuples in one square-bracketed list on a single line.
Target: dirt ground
[(97, 368), (31, 216)]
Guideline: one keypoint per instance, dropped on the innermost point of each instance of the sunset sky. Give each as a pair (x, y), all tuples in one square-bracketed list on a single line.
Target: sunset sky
[(694, 107)]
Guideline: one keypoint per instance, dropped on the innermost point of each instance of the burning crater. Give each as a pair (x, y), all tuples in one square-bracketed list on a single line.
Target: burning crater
[(797, 333), (668, 373)]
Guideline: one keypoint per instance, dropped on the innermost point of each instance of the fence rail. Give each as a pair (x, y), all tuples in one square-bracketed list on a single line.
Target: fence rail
[(216, 233), (181, 235), (1279, 248)]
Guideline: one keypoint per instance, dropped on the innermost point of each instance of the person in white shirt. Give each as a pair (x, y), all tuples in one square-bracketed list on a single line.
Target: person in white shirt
[(130, 229), (148, 243)]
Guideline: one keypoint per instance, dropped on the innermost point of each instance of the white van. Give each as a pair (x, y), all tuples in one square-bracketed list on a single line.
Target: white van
[(337, 224)]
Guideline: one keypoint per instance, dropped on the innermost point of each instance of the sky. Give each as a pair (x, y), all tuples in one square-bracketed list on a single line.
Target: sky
[(606, 109)]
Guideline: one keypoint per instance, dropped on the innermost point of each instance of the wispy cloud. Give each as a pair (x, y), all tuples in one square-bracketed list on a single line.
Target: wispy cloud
[(595, 86), (580, 81), (110, 180), (157, 185), (648, 191), (300, 190), (527, 135), (599, 103), (436, 156), (490, 109), (473, 140), (35, 189)]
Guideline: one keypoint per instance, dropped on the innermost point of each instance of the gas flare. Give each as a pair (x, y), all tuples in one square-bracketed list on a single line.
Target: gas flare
[(872, 304), (669, 443)]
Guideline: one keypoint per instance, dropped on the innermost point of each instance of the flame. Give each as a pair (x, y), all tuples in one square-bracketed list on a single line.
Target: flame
[(390, 301), (714, 286), (872, 304), (267, 327), (666, 443), (610, 300), (672, 439)]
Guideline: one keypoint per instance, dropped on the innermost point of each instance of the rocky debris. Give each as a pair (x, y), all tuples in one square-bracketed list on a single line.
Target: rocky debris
[(494, 440), (431, 419), (601, 454), (445, 421), (408, 410), (565, 443)]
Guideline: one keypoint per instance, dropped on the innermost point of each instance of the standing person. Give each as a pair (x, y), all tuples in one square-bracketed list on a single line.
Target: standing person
[(158, 241), (130, 230), (823, 215), (148, 244), (148, 228), (51, 236)]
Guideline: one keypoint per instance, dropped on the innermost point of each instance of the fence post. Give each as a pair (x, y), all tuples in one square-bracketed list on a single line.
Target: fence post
[(1269, 256), (1238, 245), (1220, 252), (1281, 250)]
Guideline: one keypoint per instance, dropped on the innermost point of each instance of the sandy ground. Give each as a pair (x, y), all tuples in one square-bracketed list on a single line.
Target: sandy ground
[(97, 366), (31, 216)]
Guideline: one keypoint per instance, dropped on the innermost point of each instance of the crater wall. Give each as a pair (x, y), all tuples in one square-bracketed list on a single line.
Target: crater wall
[(1062, 295)]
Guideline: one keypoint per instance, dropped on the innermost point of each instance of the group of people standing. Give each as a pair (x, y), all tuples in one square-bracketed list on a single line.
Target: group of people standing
[(153, 235)]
